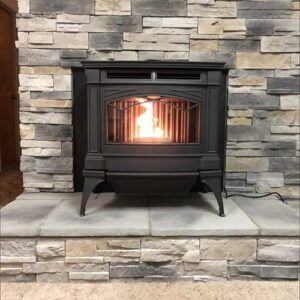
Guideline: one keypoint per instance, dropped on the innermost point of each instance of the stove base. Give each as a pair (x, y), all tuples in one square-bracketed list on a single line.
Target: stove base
[(151, 183)]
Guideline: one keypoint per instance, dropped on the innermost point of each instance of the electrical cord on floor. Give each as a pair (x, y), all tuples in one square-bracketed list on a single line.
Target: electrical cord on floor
[(252, 196)]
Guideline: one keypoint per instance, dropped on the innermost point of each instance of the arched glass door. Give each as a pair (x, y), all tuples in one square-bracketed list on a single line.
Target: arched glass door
[(152, 119)]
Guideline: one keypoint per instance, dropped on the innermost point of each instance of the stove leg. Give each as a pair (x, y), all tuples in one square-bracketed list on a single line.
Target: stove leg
[(214, 183), (89, 185)]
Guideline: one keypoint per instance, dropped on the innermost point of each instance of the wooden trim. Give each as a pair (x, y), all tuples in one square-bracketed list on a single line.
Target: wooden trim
[(10, 4), (14, 70)]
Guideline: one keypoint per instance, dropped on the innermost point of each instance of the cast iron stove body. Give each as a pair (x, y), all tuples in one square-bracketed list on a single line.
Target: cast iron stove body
[(155, 127)]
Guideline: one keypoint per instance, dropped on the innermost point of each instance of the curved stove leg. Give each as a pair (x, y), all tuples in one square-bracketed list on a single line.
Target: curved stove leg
[(89, 185), (214, 183)]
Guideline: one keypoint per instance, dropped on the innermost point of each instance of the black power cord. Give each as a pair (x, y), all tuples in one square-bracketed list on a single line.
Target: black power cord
[(256, 197)]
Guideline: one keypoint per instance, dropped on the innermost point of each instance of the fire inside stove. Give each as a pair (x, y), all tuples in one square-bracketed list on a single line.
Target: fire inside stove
[(153, 119)]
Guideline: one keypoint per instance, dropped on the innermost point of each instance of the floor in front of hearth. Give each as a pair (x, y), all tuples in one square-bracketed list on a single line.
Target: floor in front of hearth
[(108, 214), (11, 185)]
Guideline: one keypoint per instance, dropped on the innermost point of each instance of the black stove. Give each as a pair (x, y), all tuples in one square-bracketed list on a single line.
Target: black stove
[(149, 128)]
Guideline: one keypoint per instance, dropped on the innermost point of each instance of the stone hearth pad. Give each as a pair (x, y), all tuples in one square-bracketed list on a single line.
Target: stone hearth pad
[(25, 218), (275, 219), (198, 216), (56, 214)]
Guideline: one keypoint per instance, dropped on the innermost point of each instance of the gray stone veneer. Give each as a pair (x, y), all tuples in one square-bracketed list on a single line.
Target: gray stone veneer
[(102, 259), (259, 41)]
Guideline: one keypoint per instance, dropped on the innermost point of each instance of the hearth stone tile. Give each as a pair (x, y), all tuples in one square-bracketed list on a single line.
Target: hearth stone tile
[(20, 218), (49, 196), (106, 215), (197, 215), (271, 216)]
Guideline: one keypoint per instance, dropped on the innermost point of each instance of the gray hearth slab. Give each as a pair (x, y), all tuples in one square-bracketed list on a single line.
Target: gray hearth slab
[(49, 196), (24, 218), (272, 216), (197, 215), (106, 215), (57, 215)]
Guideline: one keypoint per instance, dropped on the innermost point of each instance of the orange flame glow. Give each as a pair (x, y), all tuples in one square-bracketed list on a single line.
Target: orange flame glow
[(147, 123)]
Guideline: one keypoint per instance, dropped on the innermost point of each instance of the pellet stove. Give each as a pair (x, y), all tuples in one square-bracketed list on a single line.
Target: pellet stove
[(150, 127)]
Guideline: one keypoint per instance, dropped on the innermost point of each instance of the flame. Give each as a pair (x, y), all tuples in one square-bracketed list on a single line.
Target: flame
[(147, 124)]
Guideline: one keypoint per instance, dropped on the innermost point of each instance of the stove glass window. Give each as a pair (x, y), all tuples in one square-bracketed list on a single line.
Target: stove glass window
[(152, 120)]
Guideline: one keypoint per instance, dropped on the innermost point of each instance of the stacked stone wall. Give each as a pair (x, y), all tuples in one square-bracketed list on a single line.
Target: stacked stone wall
[(259, 41), (194, 259)]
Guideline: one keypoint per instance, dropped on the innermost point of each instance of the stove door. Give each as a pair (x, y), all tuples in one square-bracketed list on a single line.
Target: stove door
[(152, 119)]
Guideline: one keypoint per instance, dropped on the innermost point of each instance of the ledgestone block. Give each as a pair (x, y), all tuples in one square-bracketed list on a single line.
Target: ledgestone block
[(239, 45), (204, 45), (260, 27), (69, 54), (278, 250), (150, 55), (52, 277), (216, 26), (39, 57), (247, 164), (35, 82), (18, 248), (112, 7), (27, 131), (173, 22), (105, 41), (263, 271), (247, 133), (207, 267), (280, 44), (62, 82), (27, 164), (37, 180), (59, 6), (279, 272), (41, 152), (220, 9), (113, 24), (228, 249), (276, 117), (280, 164), (270, 179), (283, 85), (44, 70), (227, 57), (18, 278), (159, 8), (70, 19), (51, 95), (36, 24), (288, 102), (61, 165), (44, 267), (54, 132), (45, 118), (262, 61), (258, 101), (89, 276), (45, 38), (264, 9), (170, 269), (23, 7), (125, 271), (70, 40), (49, 249)]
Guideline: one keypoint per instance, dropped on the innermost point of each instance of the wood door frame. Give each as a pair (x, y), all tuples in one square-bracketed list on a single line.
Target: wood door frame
[(11, 7), (10, 4)]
